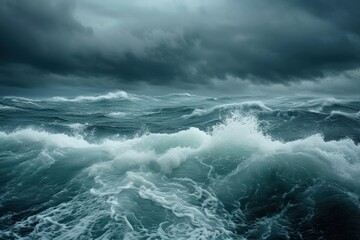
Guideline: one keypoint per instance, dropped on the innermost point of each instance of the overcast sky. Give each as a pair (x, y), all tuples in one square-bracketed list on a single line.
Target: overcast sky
[(224, 45)]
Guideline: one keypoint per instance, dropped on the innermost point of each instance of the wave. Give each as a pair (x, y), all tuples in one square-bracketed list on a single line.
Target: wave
[(169, 150), (4, 107), (108, 96), (316, 105), (332, 104), (353, 116), (23, 103), (184, 94), (329, 102), (232, 181), (246, 106), (77, 126), (116, 114), (30, 135)]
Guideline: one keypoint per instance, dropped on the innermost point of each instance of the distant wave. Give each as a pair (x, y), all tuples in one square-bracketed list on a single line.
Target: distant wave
[(184, 94), (355, 116), (248, 105), (3, 107), (116, 114), (328, 102), (77, 126), (108, 96)]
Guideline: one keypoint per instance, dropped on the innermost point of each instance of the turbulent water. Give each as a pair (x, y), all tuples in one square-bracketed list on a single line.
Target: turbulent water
[(180, 166)]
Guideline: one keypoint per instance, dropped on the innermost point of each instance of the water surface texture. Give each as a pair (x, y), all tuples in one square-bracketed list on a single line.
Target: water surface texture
[(179, 166)]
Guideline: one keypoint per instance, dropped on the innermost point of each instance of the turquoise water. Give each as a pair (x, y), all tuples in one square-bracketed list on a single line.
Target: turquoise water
[(179, 166)]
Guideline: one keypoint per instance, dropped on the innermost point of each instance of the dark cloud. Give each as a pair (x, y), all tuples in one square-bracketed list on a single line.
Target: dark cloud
[(188, 43)]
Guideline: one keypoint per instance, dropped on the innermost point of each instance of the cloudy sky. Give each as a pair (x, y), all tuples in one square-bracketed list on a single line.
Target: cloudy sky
[(222, 45)]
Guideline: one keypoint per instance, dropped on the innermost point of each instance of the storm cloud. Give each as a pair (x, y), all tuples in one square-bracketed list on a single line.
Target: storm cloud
[(176, 43)]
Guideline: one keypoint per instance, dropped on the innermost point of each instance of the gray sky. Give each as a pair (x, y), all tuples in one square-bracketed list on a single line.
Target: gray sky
[(216, 45)]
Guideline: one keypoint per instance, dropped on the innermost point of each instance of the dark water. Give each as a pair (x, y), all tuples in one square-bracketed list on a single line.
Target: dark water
[(123, 166)]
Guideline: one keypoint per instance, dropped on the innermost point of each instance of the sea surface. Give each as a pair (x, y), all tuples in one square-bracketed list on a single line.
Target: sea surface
[(179, 166)]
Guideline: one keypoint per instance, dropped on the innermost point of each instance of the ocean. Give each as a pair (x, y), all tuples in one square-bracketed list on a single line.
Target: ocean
[(179, 166)]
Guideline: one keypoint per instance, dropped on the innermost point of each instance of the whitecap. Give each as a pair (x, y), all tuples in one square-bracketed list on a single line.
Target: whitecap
[(77, 126), (184, 94), (3, 107), (243, 105), (354, 116), (116, 114), (108, 96)]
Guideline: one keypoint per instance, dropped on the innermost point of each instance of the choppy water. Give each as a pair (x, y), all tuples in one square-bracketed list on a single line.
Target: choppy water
[(124, 166)]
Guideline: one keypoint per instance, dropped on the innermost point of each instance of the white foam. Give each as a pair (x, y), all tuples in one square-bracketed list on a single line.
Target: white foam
[(178, 205), (242, 133), (173, 157)]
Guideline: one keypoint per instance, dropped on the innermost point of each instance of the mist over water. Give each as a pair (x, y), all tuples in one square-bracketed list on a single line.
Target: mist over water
[(179, 166)]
